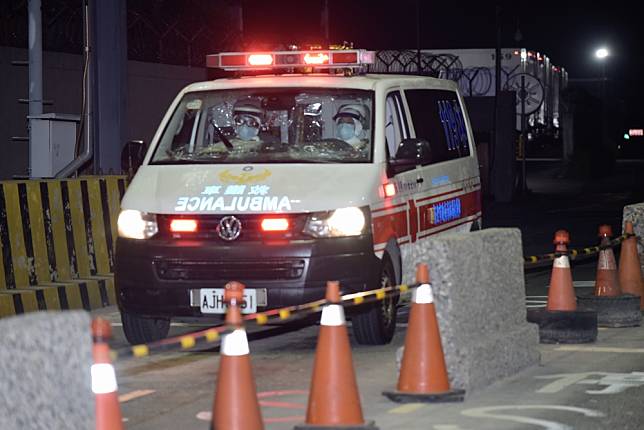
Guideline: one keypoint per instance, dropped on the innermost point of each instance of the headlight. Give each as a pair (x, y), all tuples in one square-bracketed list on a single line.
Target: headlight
[(338, 223), (137, 225)]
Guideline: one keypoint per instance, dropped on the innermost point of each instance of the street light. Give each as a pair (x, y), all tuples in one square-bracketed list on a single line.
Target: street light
[(602, 53)]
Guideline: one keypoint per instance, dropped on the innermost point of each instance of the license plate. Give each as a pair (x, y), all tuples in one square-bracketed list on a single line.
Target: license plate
[(212, 301)]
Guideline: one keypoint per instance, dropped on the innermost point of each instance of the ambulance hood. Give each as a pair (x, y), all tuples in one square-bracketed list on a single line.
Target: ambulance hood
[(203, 189)]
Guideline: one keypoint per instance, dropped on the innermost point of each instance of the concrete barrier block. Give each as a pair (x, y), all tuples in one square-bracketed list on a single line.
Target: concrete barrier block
[(635, 214), (45, 364), (480, 299)]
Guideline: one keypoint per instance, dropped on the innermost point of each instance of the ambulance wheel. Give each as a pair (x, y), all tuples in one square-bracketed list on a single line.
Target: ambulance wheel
[(376, 324), (140, 329)]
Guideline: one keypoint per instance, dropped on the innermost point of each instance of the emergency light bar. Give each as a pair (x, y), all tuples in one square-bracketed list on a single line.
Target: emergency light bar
[(319, 59)]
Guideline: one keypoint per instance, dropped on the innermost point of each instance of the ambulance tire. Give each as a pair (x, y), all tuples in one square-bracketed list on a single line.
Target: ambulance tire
[(140, 329), (376, 324)]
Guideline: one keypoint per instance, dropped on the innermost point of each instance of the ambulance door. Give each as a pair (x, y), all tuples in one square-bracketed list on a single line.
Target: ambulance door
[(449, 198), (409, 181)]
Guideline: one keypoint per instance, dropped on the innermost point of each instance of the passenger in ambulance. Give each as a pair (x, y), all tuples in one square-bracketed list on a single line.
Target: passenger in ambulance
[(351, 123), (248, 117)]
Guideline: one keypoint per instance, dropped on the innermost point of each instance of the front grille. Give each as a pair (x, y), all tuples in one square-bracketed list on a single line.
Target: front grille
[(251, 230), (276, 269)]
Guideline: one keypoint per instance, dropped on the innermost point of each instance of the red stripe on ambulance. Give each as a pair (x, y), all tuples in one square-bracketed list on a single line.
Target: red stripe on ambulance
[(418, 221)]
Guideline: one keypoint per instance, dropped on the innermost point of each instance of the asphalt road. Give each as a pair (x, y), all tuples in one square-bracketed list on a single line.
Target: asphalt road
[(596, 386)]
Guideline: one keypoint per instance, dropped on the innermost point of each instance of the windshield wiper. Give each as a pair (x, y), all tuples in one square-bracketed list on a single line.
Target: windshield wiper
[(182, 161), (223, 138)]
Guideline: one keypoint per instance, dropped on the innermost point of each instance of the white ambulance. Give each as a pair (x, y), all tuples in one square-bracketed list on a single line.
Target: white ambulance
[(299, 169)]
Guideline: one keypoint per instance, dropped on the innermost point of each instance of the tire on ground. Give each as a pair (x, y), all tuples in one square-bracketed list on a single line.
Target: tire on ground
[(140, 329), (565, 326), (620, 311), (375, 323)]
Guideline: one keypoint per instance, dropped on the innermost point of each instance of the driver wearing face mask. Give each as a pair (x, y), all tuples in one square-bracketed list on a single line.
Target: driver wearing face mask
[(247, 116), (350, 124)]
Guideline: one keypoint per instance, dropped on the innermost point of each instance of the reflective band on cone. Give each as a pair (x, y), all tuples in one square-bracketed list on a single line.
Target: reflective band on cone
[(561, 262), (103, 378), (606, 282), (235, 344), (606, 261), (332, 315), (423, 294)]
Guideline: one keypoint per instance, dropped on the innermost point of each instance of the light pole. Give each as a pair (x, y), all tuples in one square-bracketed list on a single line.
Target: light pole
[(601, 54)]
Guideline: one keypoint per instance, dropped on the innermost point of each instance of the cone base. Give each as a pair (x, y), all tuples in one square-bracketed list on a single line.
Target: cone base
[(369, 425), (614, 312), (445, 397), (569, 327)]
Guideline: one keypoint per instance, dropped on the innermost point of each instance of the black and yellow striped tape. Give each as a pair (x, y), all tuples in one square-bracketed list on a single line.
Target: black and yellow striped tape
[(535, 260), (213, 334)]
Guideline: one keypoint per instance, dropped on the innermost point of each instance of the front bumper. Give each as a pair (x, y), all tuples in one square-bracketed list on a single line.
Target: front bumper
[(154, 277)]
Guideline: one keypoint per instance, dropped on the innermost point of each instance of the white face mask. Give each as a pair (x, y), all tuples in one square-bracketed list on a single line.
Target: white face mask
[(346, 131), (246, 132)]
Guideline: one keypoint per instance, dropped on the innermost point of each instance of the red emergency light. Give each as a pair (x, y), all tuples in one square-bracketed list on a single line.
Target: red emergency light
[(181, 225), (316, 59), (260, 59), (275, 224)]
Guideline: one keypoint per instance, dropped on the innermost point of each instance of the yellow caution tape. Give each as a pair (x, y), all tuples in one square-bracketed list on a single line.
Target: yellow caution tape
[(212, 335), (285, 314), (187, 342), (140, 351)]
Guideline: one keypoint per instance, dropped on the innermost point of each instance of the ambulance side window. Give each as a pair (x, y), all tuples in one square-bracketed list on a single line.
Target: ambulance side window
[(438, 118), (394, 132)]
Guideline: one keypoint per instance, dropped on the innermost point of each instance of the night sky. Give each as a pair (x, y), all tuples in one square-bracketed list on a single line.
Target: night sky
[(567, 32)]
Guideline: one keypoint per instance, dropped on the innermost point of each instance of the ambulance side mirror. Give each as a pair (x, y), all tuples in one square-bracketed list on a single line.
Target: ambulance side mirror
[(132, 156), (410, 153)]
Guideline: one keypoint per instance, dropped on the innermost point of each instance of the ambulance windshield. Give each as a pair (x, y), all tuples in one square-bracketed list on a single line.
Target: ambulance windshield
[(269, 125)]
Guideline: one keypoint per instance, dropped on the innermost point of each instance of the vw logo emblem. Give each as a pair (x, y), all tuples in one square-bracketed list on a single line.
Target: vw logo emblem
[(229, 228)]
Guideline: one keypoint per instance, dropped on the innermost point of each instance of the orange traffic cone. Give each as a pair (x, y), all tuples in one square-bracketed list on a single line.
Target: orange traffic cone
[(606, 284), (334, 402), (235, 406), (561, 295), (108, 410), (630, 275), (423, 374)]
